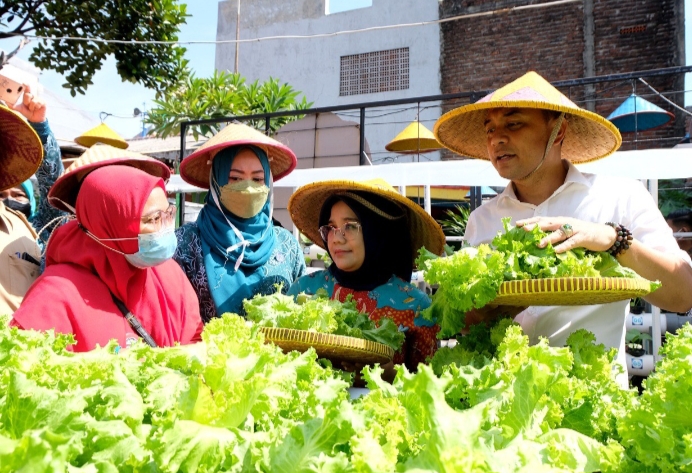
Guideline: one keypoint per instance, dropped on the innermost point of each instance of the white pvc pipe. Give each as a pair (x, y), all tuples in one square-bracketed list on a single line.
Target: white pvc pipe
[(640, 365), (656, 325), (643, 322), (656, 329)]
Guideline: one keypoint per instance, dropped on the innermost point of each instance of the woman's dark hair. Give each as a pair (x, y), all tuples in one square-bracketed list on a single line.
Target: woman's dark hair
[(387, 240), (681, 217)]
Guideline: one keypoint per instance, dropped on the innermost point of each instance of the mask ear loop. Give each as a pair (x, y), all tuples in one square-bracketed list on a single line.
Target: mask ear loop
[(98, 240), (63, 219), (551, 141), (271, 202)]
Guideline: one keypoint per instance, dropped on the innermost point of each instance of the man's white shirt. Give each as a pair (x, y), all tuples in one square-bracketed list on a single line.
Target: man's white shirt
[(592, 198)]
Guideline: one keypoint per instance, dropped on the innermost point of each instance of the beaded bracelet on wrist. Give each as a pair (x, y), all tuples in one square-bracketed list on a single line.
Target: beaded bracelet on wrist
[(623, 239)]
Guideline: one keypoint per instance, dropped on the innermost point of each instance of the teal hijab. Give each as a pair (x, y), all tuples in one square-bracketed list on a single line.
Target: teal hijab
[(230, 286), (28, 189)]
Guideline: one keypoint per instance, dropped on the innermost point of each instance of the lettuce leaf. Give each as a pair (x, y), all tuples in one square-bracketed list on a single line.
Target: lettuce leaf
[(470, 278), (319, 313)]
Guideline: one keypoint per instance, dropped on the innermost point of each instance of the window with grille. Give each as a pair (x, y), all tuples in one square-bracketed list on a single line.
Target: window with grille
[(379, 71)]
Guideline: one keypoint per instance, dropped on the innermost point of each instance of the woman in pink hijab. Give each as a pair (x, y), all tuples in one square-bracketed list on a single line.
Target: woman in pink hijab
[(114, 260)]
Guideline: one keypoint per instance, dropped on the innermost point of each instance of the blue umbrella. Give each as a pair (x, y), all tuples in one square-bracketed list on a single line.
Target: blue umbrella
[(647, 115)]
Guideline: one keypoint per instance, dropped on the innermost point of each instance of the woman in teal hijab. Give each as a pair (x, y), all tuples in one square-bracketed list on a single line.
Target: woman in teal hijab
[(234, 251), (21, 199)]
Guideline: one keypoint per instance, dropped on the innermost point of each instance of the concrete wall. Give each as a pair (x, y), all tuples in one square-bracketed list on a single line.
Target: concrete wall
[(313, 65)]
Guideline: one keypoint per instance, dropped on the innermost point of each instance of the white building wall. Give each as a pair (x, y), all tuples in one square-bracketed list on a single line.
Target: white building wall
[(312, 66)]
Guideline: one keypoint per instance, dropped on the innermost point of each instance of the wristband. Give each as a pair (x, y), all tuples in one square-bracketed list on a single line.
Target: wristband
[(623, 239)]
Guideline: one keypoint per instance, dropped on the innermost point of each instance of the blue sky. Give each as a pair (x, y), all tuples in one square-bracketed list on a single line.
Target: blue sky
[(109, 94), (336, 6)]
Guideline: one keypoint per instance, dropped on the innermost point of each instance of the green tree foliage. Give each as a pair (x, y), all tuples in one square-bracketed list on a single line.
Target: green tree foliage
[(673, 194), (157, 67), (223, 95), (454, 224)]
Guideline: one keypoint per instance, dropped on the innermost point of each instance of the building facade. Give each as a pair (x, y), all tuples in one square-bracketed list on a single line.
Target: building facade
[(569, 41), (345, 68)]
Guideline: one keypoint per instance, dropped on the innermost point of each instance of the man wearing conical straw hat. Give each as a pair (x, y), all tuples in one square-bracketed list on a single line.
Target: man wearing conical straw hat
[(533, 135)]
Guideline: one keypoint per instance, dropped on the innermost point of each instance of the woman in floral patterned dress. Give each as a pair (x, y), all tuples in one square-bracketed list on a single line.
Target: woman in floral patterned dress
[(372, 235), (233, 251)]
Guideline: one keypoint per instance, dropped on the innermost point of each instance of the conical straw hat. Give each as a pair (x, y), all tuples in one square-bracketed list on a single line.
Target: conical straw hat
[(21, 151), (195, 168), (306, 203), (101, 134), (415, 138), (589, 136), (636, 113), (63, 194)]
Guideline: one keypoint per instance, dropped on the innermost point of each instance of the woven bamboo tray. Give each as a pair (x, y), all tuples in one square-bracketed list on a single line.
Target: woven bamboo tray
[(336, 348), (570, 291)]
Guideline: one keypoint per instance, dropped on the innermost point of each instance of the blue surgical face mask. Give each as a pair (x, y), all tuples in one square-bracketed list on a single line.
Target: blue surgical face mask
[(154, 248)]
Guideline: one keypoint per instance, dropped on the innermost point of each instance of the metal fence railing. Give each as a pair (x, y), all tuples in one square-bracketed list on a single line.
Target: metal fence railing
[(371, 125)]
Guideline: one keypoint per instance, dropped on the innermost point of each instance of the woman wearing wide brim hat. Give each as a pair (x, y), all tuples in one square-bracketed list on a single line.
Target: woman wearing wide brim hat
[(234, 251), (63, 194), (372, 233), (109, 273)]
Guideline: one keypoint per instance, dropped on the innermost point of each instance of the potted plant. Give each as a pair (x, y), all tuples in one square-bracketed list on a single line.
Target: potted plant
[(637, 305), (634, 342)]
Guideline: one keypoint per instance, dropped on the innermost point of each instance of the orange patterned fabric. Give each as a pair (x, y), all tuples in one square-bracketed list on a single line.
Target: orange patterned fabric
[(400, 301)]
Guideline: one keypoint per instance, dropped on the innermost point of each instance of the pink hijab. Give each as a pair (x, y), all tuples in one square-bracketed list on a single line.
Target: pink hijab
[(81, 273)]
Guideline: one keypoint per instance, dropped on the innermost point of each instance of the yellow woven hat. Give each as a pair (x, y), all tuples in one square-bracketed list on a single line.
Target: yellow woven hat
[(63, 194), (21, 151), (415, 138), (195, 168), (306, 203), (101, 134), (589, 136)]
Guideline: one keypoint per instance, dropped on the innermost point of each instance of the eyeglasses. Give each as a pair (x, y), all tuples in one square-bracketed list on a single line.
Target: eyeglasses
[(349, 230), (161, 218)]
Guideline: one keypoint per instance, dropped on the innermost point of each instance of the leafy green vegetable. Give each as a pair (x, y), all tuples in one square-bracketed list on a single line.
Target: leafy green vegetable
[(475, 349), (318, 313), (498, 416), (216, 405), (470, 278), (233, 403), (657, 431)]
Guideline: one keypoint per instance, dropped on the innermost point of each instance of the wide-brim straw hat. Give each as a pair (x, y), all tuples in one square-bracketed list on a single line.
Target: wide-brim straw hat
[(21, 151), (415, 138), (195, 168), (306, 203), (101, 134), (63, 194), (588, 137)]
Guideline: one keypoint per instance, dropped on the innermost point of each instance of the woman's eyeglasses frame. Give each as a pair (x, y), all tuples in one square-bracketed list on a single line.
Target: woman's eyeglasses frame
[(348, 231)]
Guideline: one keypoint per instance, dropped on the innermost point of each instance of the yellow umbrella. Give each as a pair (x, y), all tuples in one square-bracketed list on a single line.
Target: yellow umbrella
[(101, 134), (415, 138)]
